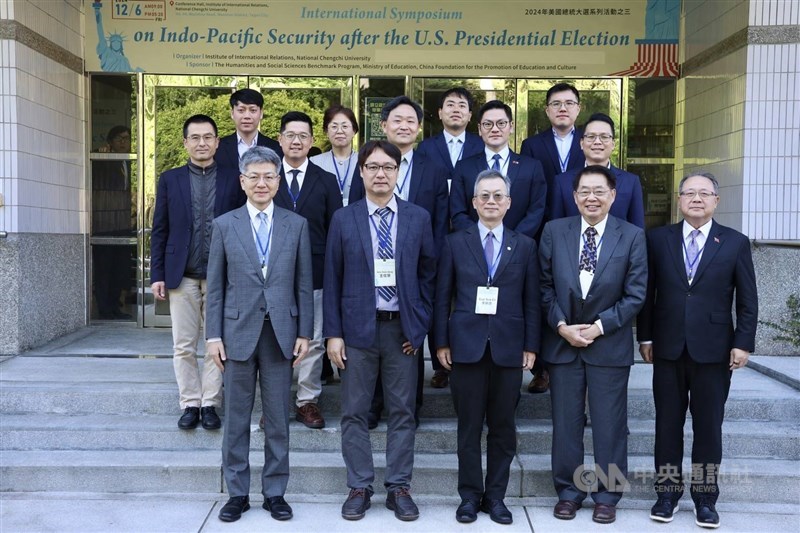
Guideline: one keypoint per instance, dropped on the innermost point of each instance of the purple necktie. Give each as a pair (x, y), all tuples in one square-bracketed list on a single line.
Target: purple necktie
[(488, 251), (691, 254)]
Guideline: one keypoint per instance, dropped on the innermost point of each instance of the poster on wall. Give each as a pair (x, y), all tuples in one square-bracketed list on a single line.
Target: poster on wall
[(449, 38)]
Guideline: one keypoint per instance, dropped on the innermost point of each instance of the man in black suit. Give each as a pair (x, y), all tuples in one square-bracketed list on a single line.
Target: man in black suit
[(246, 112), (314, 194), (594, 280), (686, 330), (454, 143)]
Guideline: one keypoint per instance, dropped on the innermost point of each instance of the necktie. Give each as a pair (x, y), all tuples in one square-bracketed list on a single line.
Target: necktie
[(385, 250), (496, 164), (455, 150), (691, 254), (263, 239), (294, 186), (488, 251), (589, 253)]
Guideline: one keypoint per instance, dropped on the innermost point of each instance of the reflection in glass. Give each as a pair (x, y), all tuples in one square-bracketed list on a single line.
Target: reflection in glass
[(375, 92), (651, 122), (114, 295), (113, 106), (657, 190)]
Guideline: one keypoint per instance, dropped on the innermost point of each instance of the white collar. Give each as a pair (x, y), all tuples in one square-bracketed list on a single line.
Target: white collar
[(287, 167), (449, 137), (372, 206), (600, 227), (254, 212), (705, 229)]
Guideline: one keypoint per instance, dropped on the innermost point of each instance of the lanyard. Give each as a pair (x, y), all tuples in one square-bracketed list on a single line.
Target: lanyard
[(692, 263), (346, 172), (405, 180), (382, 242), (265, 248), (460, 153), (564, 162), (493, 266), (289, 190)]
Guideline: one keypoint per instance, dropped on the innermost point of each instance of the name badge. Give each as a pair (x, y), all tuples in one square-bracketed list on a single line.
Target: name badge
[(486, 301), (384, 273)]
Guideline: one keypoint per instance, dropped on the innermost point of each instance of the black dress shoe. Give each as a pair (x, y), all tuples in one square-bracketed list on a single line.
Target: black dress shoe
[(210, 418), (497, 511), (440, 379), (190, 418), (467, 512), (663, 510), (399, 501), (604, 513), (706, 514), (356, 505), (278, 508), (232, 511), (372, 419)]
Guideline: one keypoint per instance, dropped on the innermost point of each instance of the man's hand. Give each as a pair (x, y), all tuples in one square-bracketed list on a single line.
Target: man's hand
[(646, 351), (159, 290), (591, 333), (217, 351), (738, 358), (336, 352), (443, 355), (300, 350), (572, 334), (528, 358), (408, 349)]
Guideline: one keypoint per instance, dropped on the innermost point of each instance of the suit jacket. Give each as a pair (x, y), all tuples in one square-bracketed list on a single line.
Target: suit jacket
[(349, 297), (228, 153), (239, 297), (542, 146), (615, 297), (528, 193), (172, 220), (516, 326), (427, 188), (698, 317), (435, 149), (319, 199), (628, 205)]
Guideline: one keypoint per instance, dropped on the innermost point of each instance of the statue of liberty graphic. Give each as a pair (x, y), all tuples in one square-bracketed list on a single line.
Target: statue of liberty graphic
[(111, 53)]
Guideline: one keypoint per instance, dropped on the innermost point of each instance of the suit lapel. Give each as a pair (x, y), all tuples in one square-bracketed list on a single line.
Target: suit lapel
[(403, 217), (552, 150), (362, 226), (475, 246), (575, 152), (417, 168), (571, 239), (185, 186), (610, 239), (507, 249), (222, 183), (513, 167), (712, 246), (675, 247), (441, 145), (280, 228), (309, 182), (283, 190), (244, 231)]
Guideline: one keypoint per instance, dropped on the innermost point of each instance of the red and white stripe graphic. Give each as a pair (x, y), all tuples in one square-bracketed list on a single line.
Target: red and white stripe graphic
[(655, 60)]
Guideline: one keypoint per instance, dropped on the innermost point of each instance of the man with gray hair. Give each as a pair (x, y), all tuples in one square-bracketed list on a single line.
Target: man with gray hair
[(486, 339), (260, 316)]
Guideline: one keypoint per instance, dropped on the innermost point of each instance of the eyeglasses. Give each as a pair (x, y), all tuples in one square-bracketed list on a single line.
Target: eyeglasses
[(690, 194), (291, 136), (372, 168), (344, 126), (598, 193), (485, 197), (254, 179), (556, 104), (195, 139), (605, 138), (488, 125)]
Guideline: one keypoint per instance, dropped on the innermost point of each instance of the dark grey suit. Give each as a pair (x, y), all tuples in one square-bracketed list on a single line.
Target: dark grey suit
[(258, 320), (615, 297)]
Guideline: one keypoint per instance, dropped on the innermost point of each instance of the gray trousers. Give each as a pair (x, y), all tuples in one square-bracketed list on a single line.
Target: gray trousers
[(274, 373), (399, 375)]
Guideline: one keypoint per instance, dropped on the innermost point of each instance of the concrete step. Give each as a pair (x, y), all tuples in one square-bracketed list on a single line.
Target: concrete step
[(747, 480), (741, 439)]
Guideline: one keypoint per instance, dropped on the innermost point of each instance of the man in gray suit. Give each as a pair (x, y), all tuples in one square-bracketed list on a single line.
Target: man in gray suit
[(593, 281), (259, 315)]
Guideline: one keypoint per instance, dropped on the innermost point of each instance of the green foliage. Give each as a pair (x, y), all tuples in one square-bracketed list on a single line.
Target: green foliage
[(789, 329)]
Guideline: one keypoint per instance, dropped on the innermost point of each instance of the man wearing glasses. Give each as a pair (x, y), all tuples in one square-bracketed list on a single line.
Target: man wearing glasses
[(314, 194), (528, 186), (188, 198)]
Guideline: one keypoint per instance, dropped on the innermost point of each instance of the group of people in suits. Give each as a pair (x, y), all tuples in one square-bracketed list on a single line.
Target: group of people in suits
[(526, 261)]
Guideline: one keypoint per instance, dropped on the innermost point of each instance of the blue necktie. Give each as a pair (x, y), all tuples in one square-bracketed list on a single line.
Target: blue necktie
[(385, 250), (263, 239), (496, 164), (488, 252), (589, 252)]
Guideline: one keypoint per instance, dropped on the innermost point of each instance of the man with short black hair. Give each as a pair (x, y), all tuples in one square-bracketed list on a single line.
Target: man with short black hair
[(246, 112)]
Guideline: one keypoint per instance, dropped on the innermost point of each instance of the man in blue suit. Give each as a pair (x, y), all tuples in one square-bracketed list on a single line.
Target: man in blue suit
[(188, 198), (528, 186), (246, 113), (686, 330), (454, 143), (597, 143), (380, 265), (490, 334), (594, 279)]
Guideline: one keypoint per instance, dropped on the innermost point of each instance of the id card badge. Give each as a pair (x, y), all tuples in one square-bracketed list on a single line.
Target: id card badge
[(384, 273), (486, 301)]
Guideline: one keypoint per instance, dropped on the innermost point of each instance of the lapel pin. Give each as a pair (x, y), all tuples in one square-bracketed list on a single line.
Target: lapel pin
[(509, 248), (716, 240)]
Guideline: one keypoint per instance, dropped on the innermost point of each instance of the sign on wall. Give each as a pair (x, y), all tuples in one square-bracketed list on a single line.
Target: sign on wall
[(449, 38)]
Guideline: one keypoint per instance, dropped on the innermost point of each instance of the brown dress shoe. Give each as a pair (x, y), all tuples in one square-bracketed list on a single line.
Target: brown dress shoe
[(566, 509), (540, 382), (310, 415), (440, 379), (604, 513)]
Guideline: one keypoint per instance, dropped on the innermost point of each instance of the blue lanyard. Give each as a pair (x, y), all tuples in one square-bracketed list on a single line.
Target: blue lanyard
[(346, 172), (405, 180), (697, 257), (493, 266), (263, 249), (564, 162), (289, 190), (461, 153), (382, 242)]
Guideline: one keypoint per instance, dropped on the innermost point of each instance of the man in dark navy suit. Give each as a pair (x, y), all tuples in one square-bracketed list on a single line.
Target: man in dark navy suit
[(454, 143), (379, 273), (698, 270), (246, 112), (188, 198)]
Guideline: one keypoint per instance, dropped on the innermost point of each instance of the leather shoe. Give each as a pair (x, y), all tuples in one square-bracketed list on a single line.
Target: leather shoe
[(663, 510), (310, 415), (190, 418), (566, 509), (399, 501), (706, 514), (467, 512), (232, 511), (497, 511), (373, 419), (440, 379), (278, 508), (210, 418), (540, 382), (356, 504), (604, 513)]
